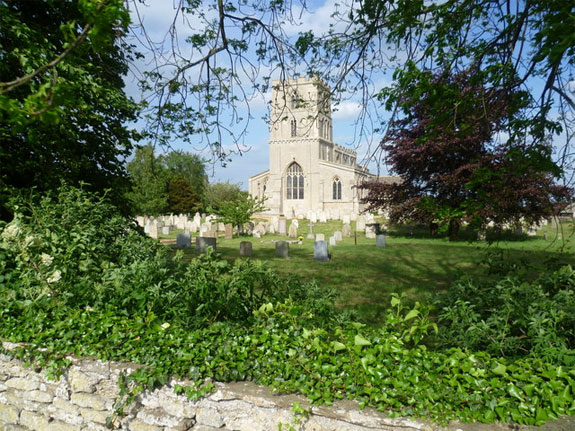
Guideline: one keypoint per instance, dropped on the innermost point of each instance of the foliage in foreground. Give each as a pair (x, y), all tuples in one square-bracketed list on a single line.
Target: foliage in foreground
[(77, 279)]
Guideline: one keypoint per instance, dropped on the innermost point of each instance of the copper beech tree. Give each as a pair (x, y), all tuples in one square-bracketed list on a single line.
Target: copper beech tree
[(460, 158)]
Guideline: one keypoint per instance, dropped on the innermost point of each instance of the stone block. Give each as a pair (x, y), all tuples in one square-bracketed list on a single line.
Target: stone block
[(209, 417), (159, 417), (245, 249), (60, 426), (34, 421), (380, 240), (22, 383), (91, 401), (320, 251), (282, 249), (346, 230), (9, 414), (95, 415), (40, 396), (142, 426), (338, 235), (12, 427), (183, 240), (319, 237), (203, 242)]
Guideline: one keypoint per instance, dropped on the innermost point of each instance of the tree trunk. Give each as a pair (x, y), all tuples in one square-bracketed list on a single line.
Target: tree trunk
[(454, 225)]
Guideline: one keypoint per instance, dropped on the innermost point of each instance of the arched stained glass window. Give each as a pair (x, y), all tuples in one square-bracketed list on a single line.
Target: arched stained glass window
[(295, 182), (337, 189)]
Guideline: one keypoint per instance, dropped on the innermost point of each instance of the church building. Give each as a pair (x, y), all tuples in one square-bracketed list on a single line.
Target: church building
[(308, 172)]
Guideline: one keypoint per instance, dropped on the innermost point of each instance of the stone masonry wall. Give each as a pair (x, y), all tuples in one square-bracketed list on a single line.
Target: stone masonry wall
[(83, 398)]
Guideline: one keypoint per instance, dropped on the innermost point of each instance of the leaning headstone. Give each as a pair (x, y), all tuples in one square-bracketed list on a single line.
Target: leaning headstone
[(320, 251), (229, 231), (319, 237), (282, 229), (332, 241), (166, 230), (183, 240), (346, 230), (380, 240), (293, 230), (282, 249), (338, 236), (203, 242), (245, 249)]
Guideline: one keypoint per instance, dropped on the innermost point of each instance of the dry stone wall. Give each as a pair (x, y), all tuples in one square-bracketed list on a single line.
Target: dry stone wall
[(83, 397)]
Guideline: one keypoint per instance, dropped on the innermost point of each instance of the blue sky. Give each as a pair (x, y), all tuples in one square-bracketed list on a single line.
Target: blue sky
[(157, 15)]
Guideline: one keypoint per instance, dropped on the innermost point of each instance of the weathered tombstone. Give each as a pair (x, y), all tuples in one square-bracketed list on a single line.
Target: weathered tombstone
[(332, 241), (338, 236), (282, 226), (205, 229), (293, 230), (346, 219), (229, 231), (183, 240), (166, 230), (310, 234), (275, 221), (256, 234), (213, 231), (260, 228), (346, 230), (198, 219), (296, 222), (249, 227), (370, 231), (221, 227), (141, 220), (154, 230), (322, 217), (380, 240), (360, 223), (203, 242), (320, 251), (147, 228), (282, 249), (319, 237), (272, 229), (245, 249)]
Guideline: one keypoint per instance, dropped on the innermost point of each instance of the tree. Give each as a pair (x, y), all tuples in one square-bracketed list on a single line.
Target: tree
[(182, 197), (63, 111), (240, 210), (452, 166), (148, 194), (217, 194), (189, 167)]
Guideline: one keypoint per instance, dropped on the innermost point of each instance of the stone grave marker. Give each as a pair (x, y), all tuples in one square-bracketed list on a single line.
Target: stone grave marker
[(320, 251), (229, 231), (380, 240), (166, 230), (282, 226), (293, 230), (203, 242), (360, 223), (272, 229), (346, 219), (256, 234), (245, 249), (346, 230), (332, 241), (310, 234), (154, 230), (319, 237), (338, 235), (282, 249), (183, 240)]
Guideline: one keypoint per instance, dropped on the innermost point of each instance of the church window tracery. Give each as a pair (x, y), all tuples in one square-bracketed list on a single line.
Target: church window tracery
[(336, 189), (295, 181)]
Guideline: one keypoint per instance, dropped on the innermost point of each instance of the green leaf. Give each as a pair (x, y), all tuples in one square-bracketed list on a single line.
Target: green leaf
[(500, 369), (337, 346), (360, 341), (413, 313)]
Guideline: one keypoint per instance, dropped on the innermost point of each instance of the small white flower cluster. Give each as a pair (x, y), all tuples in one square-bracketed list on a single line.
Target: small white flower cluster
[(46, 259), (11, 232), (55, 277)]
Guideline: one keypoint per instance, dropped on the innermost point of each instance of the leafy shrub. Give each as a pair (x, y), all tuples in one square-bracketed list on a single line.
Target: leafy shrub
[(511, 317), (72, 249)]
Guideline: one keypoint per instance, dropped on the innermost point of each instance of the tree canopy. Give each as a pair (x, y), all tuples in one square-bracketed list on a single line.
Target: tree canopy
[(63, 110)]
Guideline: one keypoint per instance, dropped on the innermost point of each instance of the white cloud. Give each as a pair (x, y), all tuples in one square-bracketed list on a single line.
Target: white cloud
[(346, 111)]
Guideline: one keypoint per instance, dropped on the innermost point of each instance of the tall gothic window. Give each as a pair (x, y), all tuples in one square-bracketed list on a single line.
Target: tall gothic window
[(337, 189), (293, 125), (295, 182)]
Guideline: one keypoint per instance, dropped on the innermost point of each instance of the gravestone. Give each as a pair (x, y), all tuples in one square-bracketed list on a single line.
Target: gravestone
[(282, 249), (213, 231), (204, 229), (293, 230), (338, 236), (245, 249), (275, 222), (256, 234), (249, 227), (320, 251), (346, 230), (322, 217), (282, 229), (192, 226), (380, 240), (272, 229), (319, 237), (229, 231), (147, 228), (154, 230), (260, 228), (221, 227), (166, 230), (346, 219), (332, 241), (203, 242), (310, 234), (183, 240), (371, 230), (198, 219), (141, 221), (360, 223)]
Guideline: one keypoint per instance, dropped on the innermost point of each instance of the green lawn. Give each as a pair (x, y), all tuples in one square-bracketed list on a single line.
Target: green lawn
[(419, 266)]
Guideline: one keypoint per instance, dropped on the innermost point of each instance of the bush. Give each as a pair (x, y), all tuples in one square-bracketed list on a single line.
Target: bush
[(511, 317), (72, 249)]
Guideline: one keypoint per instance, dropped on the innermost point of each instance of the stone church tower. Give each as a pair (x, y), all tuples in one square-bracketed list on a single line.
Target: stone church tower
[(308, 172)]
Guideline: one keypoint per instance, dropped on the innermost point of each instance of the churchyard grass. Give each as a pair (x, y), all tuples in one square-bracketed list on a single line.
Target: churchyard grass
[(365, 276)]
